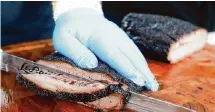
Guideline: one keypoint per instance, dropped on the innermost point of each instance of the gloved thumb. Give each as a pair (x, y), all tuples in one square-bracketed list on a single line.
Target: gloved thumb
[(67, 45)]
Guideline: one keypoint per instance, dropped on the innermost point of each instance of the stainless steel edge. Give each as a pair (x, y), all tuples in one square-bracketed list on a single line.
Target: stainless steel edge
[(143, 103)]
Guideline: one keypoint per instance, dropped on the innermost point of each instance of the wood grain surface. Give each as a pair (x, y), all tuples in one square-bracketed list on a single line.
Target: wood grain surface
[(190, 83)]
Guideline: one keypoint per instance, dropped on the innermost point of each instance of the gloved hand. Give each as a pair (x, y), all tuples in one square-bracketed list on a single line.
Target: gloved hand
[(82, 33)]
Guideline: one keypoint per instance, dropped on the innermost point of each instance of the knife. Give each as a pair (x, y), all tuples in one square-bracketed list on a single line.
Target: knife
[(137, 102)]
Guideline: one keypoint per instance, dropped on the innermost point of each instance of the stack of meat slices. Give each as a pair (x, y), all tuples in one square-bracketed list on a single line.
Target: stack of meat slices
[(96, 95)]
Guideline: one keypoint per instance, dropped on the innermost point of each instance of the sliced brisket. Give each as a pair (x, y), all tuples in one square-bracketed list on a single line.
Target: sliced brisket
[(96, 95)]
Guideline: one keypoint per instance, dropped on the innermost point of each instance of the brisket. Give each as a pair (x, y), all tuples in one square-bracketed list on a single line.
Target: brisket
[(95, 95), (164, 38)]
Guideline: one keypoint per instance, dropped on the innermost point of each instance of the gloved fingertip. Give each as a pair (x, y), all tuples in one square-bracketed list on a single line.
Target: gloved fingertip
[(88, 62), (138, 79), (153, 86), (92, 64), (142, 81)]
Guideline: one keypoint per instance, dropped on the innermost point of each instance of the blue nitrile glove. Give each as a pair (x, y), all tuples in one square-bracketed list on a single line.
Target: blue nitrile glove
[(82, 33)]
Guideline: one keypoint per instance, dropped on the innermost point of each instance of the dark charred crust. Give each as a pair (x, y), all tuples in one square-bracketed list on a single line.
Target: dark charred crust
[(83, 97), (126, 94), (101, 68), (153, 34)]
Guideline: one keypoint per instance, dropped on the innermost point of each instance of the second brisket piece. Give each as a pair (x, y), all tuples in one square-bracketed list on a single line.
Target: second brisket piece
[(164, 38)]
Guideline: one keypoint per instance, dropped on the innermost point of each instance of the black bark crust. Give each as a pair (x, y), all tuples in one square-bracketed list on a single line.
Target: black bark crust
[(153, 34), (101, 68), (83, 97)]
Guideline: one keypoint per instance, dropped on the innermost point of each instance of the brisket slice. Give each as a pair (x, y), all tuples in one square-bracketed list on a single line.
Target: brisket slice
[(95, 95), (105, 99), (164, 38), (106, 73)]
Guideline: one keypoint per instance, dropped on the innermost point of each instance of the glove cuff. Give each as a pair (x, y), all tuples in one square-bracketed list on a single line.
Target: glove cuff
[(65, 6)]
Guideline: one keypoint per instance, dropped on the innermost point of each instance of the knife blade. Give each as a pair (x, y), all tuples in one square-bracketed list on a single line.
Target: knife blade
[(137, 102), (11, 63), (143, 103)]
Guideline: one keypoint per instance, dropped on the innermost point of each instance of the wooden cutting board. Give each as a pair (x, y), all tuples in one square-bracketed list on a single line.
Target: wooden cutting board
[(190, 83)]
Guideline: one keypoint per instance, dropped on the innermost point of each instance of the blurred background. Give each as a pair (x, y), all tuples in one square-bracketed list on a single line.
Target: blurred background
[(28, 21)]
